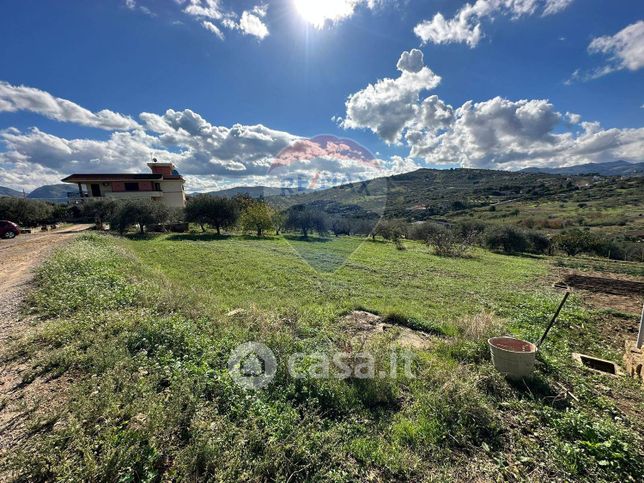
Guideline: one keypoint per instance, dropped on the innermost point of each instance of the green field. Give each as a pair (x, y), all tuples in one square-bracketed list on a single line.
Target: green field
[(143, 328)]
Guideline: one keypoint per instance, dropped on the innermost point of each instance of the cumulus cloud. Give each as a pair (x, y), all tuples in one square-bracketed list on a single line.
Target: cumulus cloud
[(213, 16), (207, 154), (465, 26), (497, 134), (625, 48), (250, 22), (411, 61), (625, 51), (22, 98), (387, 106)]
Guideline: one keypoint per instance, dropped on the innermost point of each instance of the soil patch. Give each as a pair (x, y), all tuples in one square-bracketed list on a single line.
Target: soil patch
[(606, 285), (365, 325)]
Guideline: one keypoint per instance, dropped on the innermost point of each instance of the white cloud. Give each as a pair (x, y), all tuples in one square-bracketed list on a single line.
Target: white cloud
[(204, 153), (213, 16), (251, 24), (465, 26), (625, 48), (387, 106), (411, 61), (22, 98), (213, 28), (204, 8), (497, 134), (133, 5), (555, 6)]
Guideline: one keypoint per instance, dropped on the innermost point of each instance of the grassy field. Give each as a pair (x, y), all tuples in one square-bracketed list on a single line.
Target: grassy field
[(144, 327)]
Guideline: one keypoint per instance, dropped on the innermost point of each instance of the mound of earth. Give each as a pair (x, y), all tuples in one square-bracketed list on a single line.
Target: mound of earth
[(365, 325)]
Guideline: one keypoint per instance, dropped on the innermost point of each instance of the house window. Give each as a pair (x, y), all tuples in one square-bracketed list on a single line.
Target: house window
[(131, 186), (157, 186)]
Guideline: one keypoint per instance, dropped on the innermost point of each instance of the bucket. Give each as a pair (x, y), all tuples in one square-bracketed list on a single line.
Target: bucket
[(512, 357)]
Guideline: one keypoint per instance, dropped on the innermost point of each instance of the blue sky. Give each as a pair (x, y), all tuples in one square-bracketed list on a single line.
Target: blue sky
[(497, 84)]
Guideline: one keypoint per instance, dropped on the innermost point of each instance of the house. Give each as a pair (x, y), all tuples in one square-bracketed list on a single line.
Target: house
[(164, 184)]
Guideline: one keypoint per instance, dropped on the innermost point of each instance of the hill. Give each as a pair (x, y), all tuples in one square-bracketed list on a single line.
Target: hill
[(548, 201), (56, 193), (613, 168), (255, 191), (4, 191)]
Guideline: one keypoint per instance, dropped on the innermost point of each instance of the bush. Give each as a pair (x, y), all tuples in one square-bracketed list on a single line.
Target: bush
[(506, 238), (574, 242), (142, 213), (471, 229), (539, 243), (26, 212), (423, 231), (448, 243)]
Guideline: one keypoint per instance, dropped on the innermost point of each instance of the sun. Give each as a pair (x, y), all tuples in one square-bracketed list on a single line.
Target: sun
[(317, 12)]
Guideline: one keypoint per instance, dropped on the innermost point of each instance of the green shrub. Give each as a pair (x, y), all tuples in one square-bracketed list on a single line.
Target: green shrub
[(507, 238)]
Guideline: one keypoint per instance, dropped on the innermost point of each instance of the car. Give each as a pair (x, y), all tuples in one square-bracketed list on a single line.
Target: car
[(8, 229)]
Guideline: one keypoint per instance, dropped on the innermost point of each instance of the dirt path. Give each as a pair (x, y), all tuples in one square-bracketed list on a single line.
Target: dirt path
[(18, 259)]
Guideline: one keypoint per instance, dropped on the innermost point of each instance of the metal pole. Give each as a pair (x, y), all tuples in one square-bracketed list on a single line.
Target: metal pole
[(640, 334), (554, 319)]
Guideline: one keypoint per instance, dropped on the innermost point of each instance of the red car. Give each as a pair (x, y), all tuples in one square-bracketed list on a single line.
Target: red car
[(8, 229)]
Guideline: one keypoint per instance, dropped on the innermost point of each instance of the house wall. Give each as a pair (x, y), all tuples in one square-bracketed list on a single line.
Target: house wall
[(171, 194)]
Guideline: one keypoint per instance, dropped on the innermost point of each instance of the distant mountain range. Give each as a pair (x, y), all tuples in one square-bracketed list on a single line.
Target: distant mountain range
[(52, 192), (9, 192), (56, 193), (257, 191), (612, 168)]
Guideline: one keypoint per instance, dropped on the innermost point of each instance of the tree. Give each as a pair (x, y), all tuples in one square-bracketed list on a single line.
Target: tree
[(279, 221), (574, 242), (306, 219), (451, 242), (392, 230), (25, 212), (100, 210), (142, 213), (423, 231), (507, 238), (340, 226), (212, 210), (258, 217)]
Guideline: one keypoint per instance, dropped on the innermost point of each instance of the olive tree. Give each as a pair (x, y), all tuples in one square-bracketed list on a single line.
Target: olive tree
[(306, 219), (25, 212), (218, 212), (141, 213), (257, 217)]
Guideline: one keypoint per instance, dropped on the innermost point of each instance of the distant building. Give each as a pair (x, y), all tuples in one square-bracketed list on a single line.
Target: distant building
[(164, 185)]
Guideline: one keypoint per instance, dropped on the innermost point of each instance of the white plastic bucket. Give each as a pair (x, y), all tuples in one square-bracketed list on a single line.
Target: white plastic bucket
[(512, 357)]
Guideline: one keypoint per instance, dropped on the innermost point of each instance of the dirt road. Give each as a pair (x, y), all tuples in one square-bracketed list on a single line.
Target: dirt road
[(18, 258)]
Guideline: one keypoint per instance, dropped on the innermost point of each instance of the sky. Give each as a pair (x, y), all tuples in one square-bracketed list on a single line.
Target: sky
[(332, 90)]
